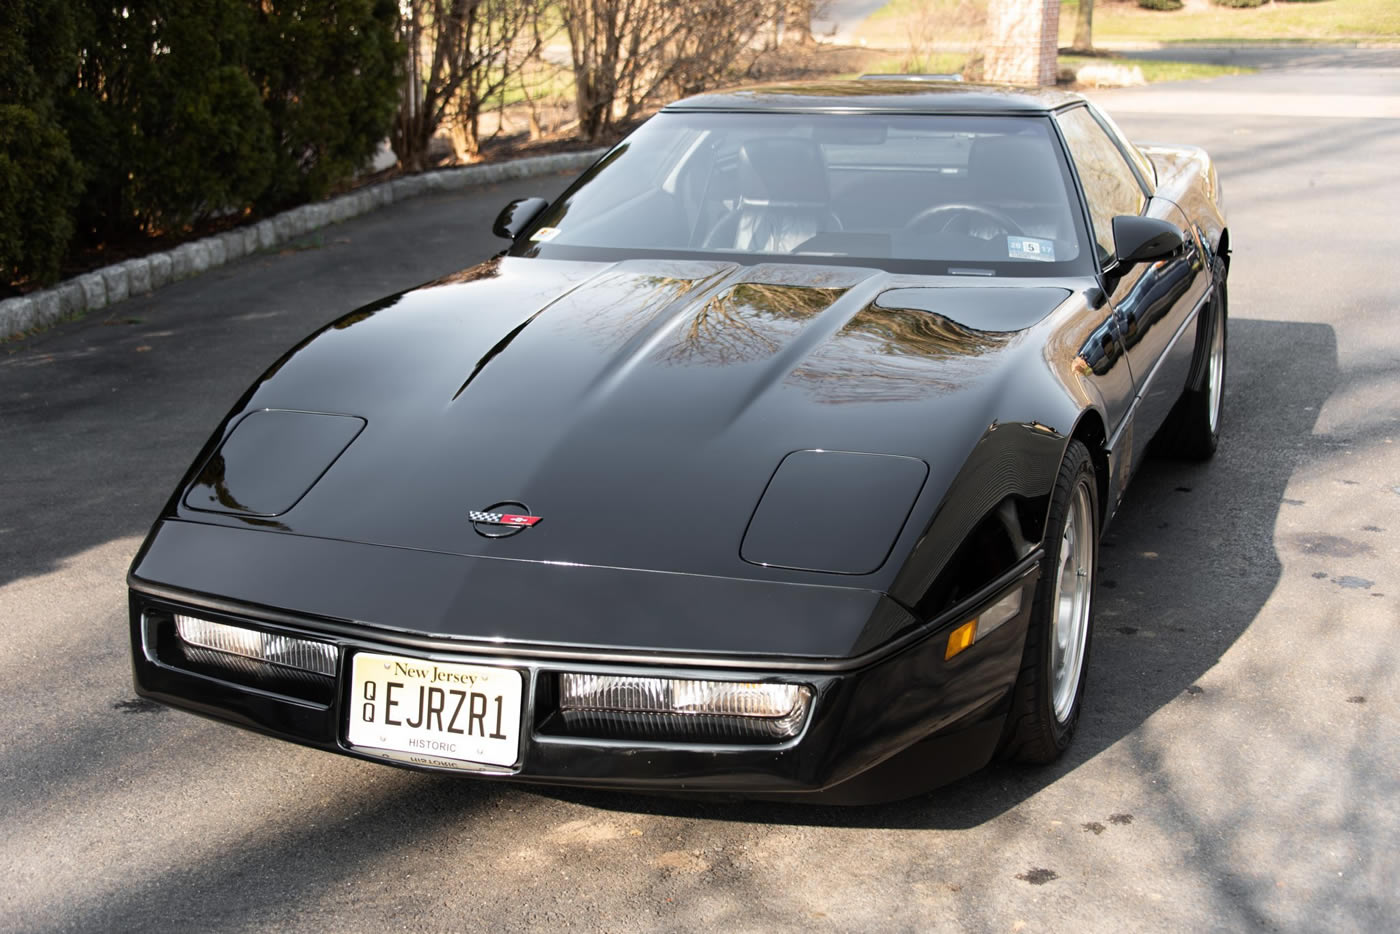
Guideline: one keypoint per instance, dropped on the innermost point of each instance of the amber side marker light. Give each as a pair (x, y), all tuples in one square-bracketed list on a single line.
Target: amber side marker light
[(979, 627), (961, 638)]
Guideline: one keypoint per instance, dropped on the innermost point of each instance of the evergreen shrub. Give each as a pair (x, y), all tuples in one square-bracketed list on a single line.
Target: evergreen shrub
[(148, 116)]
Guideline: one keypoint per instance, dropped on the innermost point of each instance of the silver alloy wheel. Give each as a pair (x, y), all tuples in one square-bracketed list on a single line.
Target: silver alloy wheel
[(1073, 589), (1216, 375)]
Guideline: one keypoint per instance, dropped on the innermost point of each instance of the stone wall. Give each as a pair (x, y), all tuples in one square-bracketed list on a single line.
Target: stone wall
[(111, 284)]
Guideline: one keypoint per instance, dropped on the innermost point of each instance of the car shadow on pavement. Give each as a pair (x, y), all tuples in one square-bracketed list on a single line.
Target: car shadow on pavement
[(1186, 567)]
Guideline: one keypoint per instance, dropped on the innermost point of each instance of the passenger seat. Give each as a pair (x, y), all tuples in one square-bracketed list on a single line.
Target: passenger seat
[(784, 198)]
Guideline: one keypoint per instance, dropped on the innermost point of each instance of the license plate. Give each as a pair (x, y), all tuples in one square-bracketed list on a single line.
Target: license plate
[(434, 713)]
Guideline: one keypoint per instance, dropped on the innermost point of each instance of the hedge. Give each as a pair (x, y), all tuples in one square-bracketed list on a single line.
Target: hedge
[(154, 115), (332, 86), (39, 185), (1239, 4), (1160, 4), (39, 178)]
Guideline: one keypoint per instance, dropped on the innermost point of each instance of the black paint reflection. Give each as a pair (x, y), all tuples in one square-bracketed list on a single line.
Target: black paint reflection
[(751, 321), (695, 317), (1152, 297), (640, 302), (214, 477), (487, 270), (1101, 351), (882, 355)]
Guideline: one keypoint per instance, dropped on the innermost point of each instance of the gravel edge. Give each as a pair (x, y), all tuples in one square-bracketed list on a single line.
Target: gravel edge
[(109, 285)]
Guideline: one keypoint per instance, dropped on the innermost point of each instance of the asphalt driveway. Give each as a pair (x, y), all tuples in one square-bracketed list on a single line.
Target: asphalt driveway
[(1238, 767)]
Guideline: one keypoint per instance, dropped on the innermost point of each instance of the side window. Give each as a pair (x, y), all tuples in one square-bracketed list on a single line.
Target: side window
[(1135, 156), (1110, 186)]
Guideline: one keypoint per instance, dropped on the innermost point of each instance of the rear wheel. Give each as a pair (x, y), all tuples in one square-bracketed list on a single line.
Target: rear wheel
[(1046, 701), (1193, 429)]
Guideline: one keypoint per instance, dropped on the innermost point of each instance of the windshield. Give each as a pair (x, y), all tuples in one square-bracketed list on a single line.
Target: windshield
[(970, 195)]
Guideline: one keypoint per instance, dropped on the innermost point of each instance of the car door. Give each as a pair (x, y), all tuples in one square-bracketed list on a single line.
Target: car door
[(1153, 303)]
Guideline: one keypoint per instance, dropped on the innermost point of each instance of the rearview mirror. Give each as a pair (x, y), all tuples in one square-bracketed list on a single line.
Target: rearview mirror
[(1139, 239), (516, 216)]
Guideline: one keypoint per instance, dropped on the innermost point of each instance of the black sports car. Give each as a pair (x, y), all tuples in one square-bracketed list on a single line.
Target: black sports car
[(771, 458)]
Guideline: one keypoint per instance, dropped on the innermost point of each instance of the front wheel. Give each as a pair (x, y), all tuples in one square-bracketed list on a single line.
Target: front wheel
[(1046, 702), (1193, 429)]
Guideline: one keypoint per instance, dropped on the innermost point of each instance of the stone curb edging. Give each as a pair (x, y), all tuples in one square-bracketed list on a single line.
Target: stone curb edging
[(109, 285)]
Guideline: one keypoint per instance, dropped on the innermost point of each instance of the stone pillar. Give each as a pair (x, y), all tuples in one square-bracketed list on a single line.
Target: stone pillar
[(1022, 41)]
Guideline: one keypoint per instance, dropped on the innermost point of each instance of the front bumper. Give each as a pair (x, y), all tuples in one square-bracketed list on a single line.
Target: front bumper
[(893, 722)]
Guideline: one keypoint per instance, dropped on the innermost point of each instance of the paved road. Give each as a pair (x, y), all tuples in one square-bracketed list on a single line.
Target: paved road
[(1238, 768), (1331, 62)]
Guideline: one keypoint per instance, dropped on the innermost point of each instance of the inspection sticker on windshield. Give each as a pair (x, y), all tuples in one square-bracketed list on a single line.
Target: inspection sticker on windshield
[(545, 234), (1031, 248)]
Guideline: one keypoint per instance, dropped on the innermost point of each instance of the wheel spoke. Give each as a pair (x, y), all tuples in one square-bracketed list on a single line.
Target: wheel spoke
[(1216, 373), (1073, 590)]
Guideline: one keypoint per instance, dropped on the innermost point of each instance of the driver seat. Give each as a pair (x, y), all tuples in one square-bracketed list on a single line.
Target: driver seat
[(784, 199), (1020, 176)]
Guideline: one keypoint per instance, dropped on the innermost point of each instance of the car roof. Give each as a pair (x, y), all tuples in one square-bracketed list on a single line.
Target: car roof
[(863, 95)]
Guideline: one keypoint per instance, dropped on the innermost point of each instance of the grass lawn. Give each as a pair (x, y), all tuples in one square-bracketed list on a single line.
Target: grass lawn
[(1155, 71), (938, 21), (934, 63), (899, 23), (1324, 21)]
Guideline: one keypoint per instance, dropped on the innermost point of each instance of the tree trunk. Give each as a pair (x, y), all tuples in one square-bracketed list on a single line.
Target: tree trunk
[(466, 136), (410, 144), (583, 103), (798, 17), (1084, 27)]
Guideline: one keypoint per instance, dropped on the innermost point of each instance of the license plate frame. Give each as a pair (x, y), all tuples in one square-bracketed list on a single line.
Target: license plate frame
[(441, 714)]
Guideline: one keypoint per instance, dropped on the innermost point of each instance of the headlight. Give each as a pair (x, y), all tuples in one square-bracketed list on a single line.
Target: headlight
[(628, 707), (226, 645)]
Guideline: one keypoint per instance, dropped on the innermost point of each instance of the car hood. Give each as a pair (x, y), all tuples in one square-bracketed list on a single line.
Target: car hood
[(639, 408)]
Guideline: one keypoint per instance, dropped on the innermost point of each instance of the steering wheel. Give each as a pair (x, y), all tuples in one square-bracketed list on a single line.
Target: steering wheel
[(953, 211)]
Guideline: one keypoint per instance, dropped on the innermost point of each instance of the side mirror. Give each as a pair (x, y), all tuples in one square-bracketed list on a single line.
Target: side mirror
[(1139, 239), (516, 216)]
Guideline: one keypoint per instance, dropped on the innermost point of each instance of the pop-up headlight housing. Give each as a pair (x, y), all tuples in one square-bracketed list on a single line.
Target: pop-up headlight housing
[(270, 460), (834, 511)]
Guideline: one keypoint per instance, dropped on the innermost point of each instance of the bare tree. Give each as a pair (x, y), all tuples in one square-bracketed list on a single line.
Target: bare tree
[(626, 52), (460, 54), (932, 24), (506, 35), (609, 41)]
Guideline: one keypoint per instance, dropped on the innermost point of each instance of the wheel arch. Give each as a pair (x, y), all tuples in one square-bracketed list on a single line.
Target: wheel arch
[(1091, 432)]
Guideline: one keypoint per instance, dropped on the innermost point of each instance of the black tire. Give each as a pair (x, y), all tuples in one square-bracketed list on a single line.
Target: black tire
[(1035, 732), (1192, 431)]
